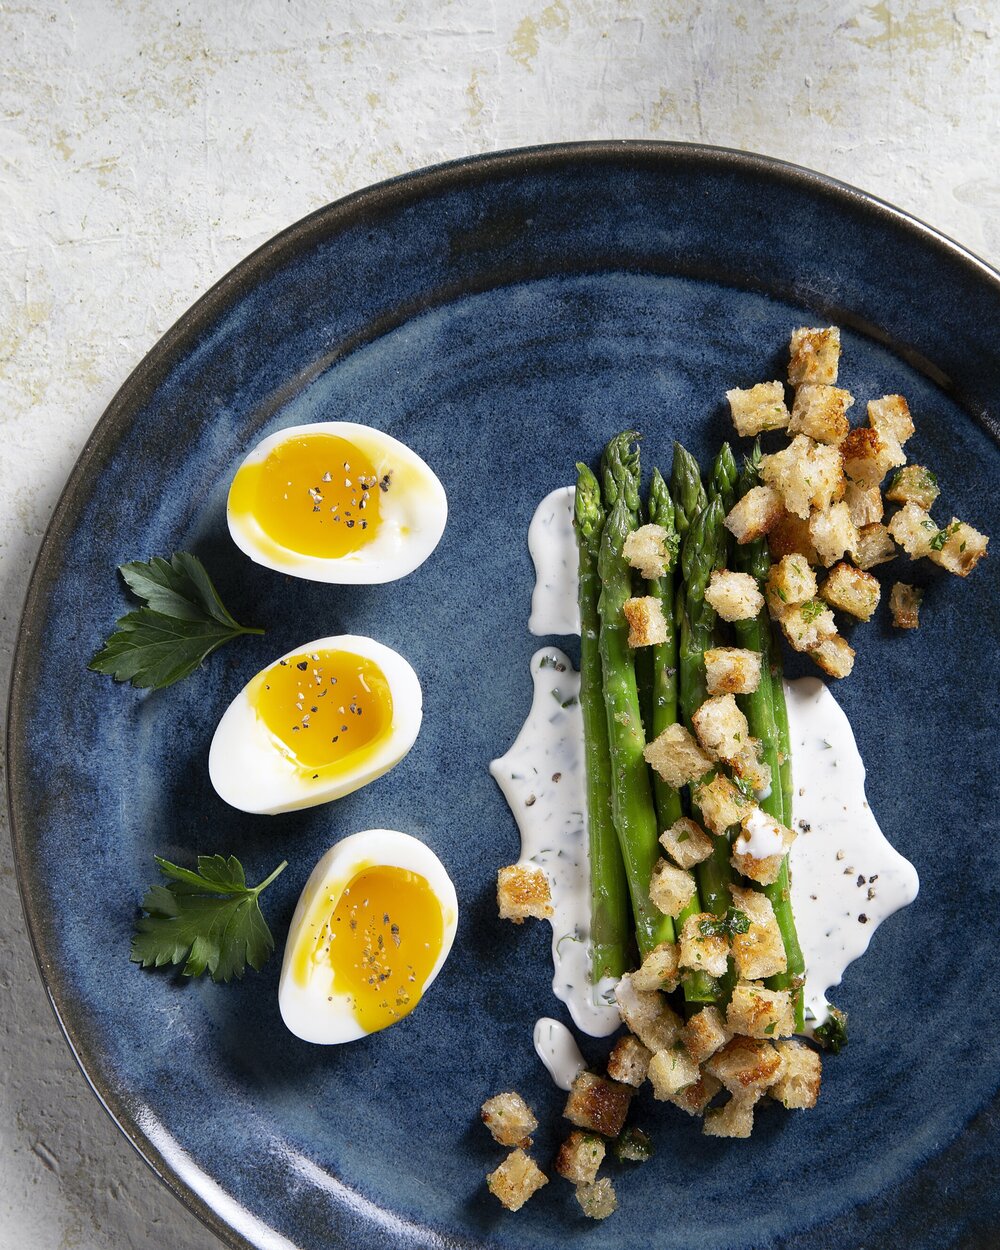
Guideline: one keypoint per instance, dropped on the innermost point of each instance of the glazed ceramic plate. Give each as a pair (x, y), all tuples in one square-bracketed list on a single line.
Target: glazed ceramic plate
[(503, 316)]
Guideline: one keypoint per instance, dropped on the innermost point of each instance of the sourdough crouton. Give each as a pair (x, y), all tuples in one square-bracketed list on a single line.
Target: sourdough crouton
[(695, 1098), (806, 475), (833, 532), (677, 757), (686, 842), (733, 595), (913, 484), (835, 656), (904, 604), (515, 1180), (789, 582), (821, 412), (748, 764), (732, 670), (745, 1065), (659, 969), (646, 624), (629, 1061), (868, 455), (598, 1104), (733, 1119), (913, 528), (797, 1086), (864, 503), (958, 548), (874, 546), (721, 727), (670, 1071), (891, 415), (752, 516), (721, 803), (807, 624), (523, 891), (509, 1119), (755, 1011), (648, 550), (760, 846), (648, 1014), (813, 355), (704, 952), (705, 1033), (579, 1157), (759, 953), (789, 536), (597, 1201), (850, 590), (670, 888), (760, 408)]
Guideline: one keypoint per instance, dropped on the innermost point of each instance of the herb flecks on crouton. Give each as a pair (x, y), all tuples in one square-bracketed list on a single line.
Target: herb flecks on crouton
[(958, 548), (759, 409), (597, 1201), (580, 1156), (677, 757), (851, 590), (814, 355), (913, 484), (515, 1180), (650, 550), (509, 1119), (523, 891), (670, 889), (629, 1061), (754, 515), (686, 842), (797, 1086), (821, 412), (732, 670)]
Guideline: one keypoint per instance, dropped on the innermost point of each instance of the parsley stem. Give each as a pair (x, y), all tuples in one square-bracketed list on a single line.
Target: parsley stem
[(284, 863)]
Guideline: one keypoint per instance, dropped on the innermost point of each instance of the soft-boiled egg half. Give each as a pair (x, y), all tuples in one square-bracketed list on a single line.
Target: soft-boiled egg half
[(371, 931), (336, 502), (319, 722)]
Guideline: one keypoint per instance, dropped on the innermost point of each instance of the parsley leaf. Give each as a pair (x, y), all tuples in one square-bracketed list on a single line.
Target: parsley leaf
[(182, 623), (833, 1034), (733, 922), (209, 920)]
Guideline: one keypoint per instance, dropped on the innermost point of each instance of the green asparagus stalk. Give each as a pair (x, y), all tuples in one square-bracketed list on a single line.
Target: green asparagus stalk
[(610, 930), (686, 489), (723, 479)]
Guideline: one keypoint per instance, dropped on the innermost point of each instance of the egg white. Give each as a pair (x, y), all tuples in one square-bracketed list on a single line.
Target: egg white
[(250, 770)]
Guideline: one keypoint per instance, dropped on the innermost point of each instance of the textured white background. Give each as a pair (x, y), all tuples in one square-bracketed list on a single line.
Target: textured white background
[(147, 147)]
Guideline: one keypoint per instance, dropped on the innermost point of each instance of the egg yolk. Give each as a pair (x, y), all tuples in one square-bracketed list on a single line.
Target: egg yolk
[(315, 494), (327, 709), (380, 943)]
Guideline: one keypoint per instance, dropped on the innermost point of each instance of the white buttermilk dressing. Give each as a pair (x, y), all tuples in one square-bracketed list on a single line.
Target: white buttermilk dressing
[(552, 543), (542, 778), (556, 1046), (762, 837)]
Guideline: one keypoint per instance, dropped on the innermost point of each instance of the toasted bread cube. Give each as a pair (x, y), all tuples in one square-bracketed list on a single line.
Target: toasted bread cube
[(850, 590), (515, 1180), (874, 546), (806, 474), (891, 415), (807, 624), (597, 1201), (523, 891), (677, 757), (904, 604), (646, 624), (670, 1071), (748, 764), (864, 503), (760, 952), (835, 656), (755, 1011), (648, 550), (704, 952), (761, 845), (758, 409), (734, 596), (789, 582), (721, 727), (695, 1098), (821, 412), (913, 528), (869, 454), (686, 842), (705, 1033), (629, 1061), (732, 670), (733, 1119), (659, 969), (960, 549), (648, 1015), (721, 803), (598, 1104), (797, 1086), (833, 532), (580, 1156), (789, 536), (509, 1119), (913, 484), (813, 355), (745, 1065), (752, 516), (670, 888)]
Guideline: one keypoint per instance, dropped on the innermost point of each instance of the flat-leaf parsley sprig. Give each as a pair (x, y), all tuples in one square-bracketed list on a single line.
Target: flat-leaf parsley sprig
[(209, 920), (182, 623)]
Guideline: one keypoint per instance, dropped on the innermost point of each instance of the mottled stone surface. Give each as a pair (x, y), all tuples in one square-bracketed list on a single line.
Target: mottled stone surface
[(145, 149)]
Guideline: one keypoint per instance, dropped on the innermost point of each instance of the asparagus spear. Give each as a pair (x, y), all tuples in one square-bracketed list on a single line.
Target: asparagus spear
[(723, 479), (686, 489), (609, 909)]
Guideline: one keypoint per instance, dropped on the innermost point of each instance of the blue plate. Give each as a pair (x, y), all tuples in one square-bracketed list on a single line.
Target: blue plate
[(503, 315)]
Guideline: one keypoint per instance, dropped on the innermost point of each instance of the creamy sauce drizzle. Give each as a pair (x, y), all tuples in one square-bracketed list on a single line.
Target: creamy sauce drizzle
[(556, 1046), (552, 543)]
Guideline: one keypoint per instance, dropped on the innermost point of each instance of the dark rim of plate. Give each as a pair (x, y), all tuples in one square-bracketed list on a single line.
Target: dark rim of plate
[(325, 222)]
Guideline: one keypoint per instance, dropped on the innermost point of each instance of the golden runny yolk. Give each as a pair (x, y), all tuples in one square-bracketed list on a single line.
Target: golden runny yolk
[(328, 710), (315, 494), (380, 942)]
